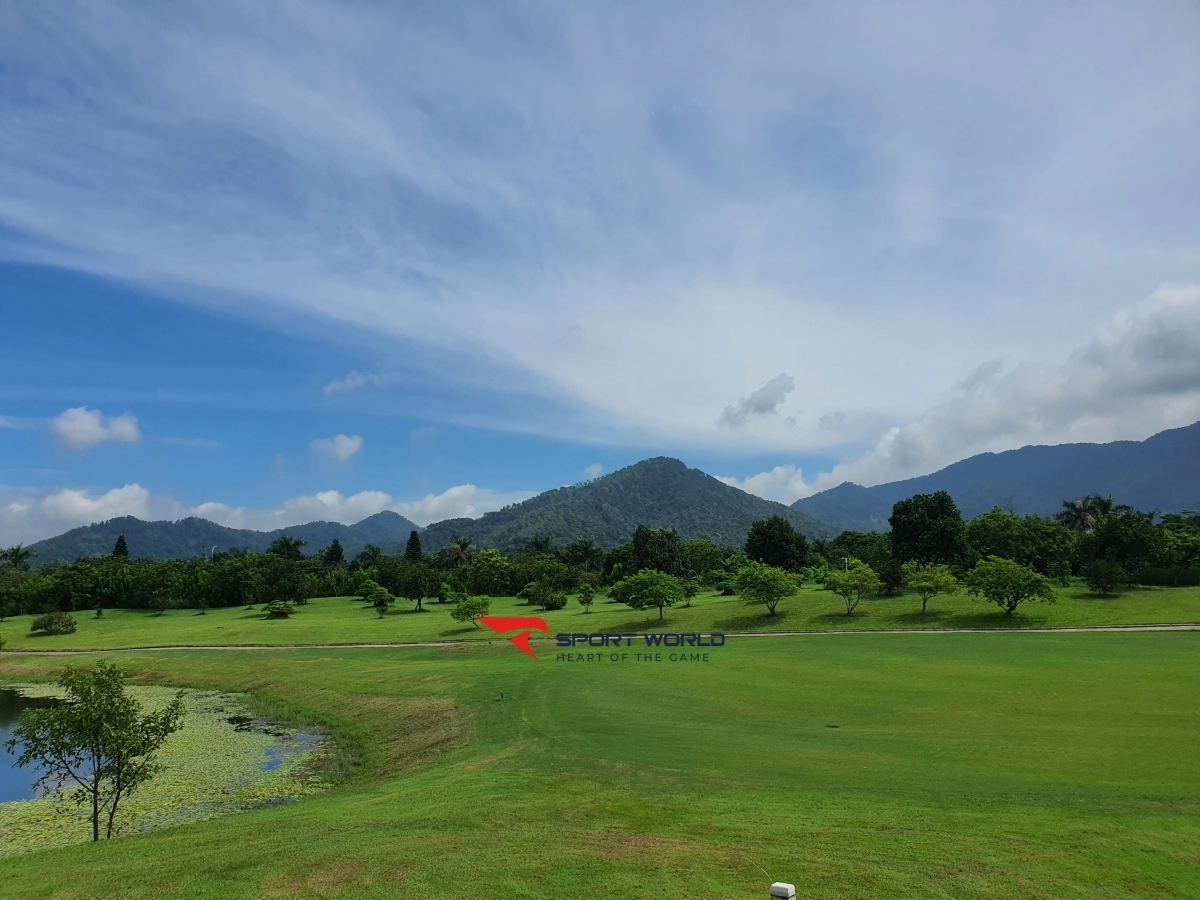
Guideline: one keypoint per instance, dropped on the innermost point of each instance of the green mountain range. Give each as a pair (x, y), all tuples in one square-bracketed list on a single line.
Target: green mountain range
[(659, 493), (1160, 473), (197, 537)]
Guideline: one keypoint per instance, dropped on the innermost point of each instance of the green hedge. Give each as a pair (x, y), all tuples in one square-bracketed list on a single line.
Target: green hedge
[(1168, 577)]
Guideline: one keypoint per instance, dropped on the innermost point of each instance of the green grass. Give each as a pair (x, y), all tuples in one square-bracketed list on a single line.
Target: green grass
[(962, 766), (342, 620)]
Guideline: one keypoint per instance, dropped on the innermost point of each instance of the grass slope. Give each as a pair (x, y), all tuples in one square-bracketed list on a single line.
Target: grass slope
[(345, 620), (961, 766)]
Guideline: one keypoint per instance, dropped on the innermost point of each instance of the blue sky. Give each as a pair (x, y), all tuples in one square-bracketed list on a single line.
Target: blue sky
[(276, 262)]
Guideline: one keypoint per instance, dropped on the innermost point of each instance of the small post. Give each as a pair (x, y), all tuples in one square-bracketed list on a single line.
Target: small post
[(781, 890)]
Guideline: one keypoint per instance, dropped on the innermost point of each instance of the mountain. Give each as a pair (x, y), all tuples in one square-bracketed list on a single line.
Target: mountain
[(194, 537), (1160, 473), (659, 493)]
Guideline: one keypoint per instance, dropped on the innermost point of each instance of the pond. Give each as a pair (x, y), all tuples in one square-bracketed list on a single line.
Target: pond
[(223, 760), (15, 784)]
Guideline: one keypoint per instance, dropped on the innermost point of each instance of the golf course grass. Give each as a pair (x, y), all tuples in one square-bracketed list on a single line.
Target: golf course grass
[(877, 765), (346, 620)]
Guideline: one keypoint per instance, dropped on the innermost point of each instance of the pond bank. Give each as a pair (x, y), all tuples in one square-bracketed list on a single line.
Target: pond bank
[(222, 761)]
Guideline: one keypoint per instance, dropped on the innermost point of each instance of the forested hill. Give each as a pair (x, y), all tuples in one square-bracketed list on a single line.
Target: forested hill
[(659, 493), (193, 537), (1160, 473)]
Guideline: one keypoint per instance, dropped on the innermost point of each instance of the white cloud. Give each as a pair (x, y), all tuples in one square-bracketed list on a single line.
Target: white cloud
[(784, 484), (333, 506), (80, 427), (1135, 377), (764, 401), (757, 189), (354, 380), (595, 470), (32, 514), (338, 448), (80, 507)]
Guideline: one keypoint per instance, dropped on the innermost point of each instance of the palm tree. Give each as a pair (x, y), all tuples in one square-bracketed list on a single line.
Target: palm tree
[(17, 557), (1083, 515), (459, 551), (287, 547)]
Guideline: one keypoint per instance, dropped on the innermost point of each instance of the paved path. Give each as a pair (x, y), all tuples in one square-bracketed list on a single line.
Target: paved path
[(739, 634)]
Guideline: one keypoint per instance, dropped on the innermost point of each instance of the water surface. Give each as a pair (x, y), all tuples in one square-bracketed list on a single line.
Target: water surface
[(16, 784)]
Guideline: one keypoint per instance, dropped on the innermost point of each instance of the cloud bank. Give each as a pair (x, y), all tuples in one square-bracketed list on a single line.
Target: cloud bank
[(1134, 377), (80, 428), (579, 203)]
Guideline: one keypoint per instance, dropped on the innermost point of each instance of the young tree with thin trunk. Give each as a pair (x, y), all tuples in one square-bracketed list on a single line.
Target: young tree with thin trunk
[(928, 581), (760, 583), (857, 581), (97, 740)]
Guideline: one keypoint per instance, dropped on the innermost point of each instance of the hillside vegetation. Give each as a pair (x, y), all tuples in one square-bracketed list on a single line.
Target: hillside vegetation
[(658, 493), (1160, 473), (197, 537)]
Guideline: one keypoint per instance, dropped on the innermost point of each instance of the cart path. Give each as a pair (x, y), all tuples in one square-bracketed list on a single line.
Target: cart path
[(401, 645)]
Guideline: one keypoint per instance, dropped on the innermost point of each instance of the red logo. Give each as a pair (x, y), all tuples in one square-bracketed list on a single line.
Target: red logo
[(500, 624)]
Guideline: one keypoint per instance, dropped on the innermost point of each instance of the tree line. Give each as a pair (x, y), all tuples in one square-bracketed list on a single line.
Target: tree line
[(1093, 537)]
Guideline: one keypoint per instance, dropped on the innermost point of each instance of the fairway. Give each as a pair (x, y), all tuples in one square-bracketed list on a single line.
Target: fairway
[(959, 765), (346, 620)]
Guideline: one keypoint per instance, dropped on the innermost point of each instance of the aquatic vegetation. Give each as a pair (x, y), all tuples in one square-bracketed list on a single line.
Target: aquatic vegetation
[(221, 761)]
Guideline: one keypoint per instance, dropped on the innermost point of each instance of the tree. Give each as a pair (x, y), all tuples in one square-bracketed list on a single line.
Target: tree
[(334, 556), (458, 552), (776, 543), (412, 550), (1129, 540), (489, 573), (928, 581), (121, 548), (1084, 514), (761, 583), (1103, 576), (534, 593), (287, 547), (691, 587), (1008, 584), (97, 739), (17, 557), (470, 609), (415, 582), (854, 583), (584, 554), (659, 549), (929, 529), (370, 557), (587, 596), (648, 588)]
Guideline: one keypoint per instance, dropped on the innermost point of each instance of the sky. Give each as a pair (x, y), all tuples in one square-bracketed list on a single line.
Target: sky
[(276, 262)]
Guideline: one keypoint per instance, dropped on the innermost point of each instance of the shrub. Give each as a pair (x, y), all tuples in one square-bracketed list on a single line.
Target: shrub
[(1103, 576), (554, 600), (53, 623), (278, 609)]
